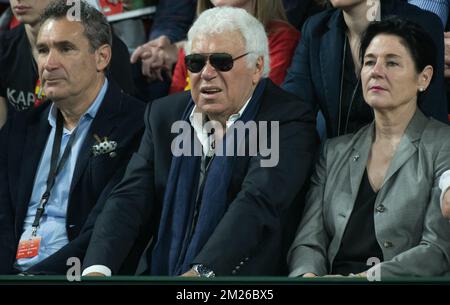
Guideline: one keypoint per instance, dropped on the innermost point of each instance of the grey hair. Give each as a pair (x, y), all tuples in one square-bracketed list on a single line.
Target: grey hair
[(229, 19), (96, 28)]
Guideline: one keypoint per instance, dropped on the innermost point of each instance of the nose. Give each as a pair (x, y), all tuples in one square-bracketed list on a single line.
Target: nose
[(51, 61), (377, 69), (208, 72)]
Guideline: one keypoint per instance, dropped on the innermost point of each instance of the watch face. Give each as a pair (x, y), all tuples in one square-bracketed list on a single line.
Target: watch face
[(204, 271)]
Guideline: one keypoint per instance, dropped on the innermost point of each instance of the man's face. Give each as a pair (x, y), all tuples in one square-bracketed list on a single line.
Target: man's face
[(67, 65), (220, 94), (28, 11)]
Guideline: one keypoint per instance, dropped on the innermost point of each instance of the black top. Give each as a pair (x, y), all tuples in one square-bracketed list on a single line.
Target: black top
[(359, 242), (352, 102), (19, 74)]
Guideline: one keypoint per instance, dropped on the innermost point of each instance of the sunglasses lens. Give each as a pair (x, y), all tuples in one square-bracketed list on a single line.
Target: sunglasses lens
[(195, 62), (221, 61)]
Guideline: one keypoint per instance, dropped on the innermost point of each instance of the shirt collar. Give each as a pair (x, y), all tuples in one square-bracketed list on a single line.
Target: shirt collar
[(90, 113), (197, 121)]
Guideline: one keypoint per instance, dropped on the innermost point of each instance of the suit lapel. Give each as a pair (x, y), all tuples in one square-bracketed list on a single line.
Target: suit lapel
[(359, 157), (408, 144), (102, 125), (37, 132), (407, 147), (331, 46)]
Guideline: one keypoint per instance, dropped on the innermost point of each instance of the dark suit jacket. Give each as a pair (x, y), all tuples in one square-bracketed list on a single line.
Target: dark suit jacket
[(315, 71), (297, 11), (23, 140), (264, 203)]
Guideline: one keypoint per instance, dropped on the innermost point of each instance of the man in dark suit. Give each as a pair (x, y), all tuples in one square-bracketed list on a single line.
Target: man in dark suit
[(209, 212), (323, 68), (60, 160)]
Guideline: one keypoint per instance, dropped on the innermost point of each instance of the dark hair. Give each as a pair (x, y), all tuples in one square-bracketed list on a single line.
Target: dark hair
[(419, 44), (96, 28)]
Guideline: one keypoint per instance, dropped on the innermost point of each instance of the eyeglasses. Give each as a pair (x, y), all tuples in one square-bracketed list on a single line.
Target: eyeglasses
[(220, 61)]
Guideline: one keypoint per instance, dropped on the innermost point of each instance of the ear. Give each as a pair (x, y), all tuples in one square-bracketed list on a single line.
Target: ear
[(103, 57), (425, 78), (259, 69)]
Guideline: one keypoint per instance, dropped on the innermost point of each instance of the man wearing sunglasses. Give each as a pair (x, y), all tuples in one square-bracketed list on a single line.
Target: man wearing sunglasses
[(213, 213)]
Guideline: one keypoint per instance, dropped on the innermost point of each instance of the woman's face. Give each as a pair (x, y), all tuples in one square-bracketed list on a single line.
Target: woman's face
[(389, 77)]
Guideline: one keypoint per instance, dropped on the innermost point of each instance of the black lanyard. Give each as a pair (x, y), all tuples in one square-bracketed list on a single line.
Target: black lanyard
[(55, 168)]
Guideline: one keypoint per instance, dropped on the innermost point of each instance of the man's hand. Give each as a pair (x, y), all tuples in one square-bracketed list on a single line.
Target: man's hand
[(445, 207), (447, 55), (158, 56), (190, 273), (309, 274)]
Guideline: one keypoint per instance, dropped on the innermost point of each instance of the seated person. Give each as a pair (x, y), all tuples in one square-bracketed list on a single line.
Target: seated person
[(325, 69), (283, 38), (208, 202), (58, 161), (375, 193), (19, 81)]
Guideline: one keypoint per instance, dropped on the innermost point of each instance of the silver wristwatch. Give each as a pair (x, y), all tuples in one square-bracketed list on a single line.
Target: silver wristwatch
[(203, 271)]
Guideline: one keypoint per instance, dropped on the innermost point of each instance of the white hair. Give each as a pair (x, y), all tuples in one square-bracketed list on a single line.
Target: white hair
[(230, 19)]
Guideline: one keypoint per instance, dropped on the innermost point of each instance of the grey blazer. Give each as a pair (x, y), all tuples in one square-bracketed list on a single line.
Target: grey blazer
[(409, 227)]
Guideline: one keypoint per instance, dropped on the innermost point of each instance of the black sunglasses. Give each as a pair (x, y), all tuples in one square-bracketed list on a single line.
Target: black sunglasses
[(220, 61)]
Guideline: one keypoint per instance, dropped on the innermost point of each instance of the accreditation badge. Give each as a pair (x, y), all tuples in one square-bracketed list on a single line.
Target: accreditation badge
[(28, 248)]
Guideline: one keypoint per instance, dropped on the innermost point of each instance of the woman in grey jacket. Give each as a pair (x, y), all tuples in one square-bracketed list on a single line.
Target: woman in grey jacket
[(374, 196)]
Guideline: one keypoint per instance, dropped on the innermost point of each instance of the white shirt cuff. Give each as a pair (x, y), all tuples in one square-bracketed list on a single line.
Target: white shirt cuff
[(444, 184), (97, 268)]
